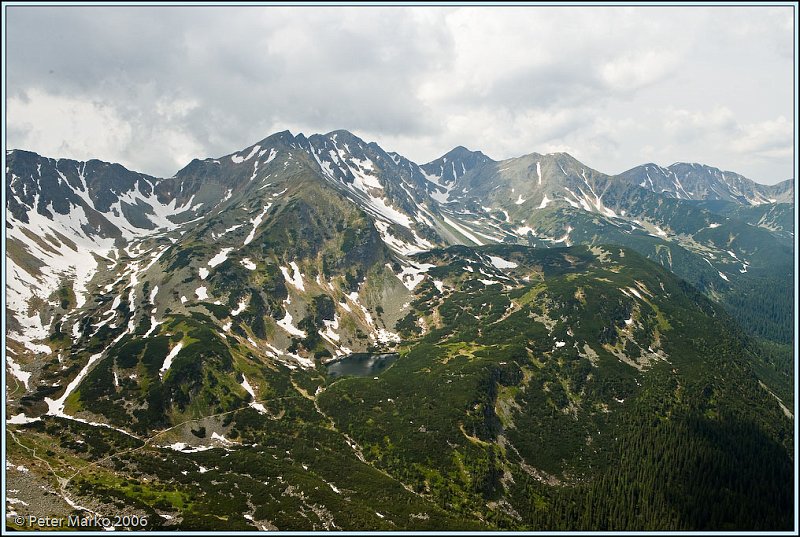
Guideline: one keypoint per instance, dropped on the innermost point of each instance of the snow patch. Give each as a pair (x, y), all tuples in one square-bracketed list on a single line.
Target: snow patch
[(501, 263), (399, 245), (387, 211), (56, 408), (153, 325), (256, 222), (153, 295), (305, 363), (545, 201), (240, 308), (353, 297), (523, 231), (253, 404), (364, 180), (16, 370), (565, 238), (386, 336), (571, 203), (462, 231), (635, 293), (220, 438), (272, 154), (330, 326), (296, 279), (168, 360), (436, 194), (238, 160), (219, 258), (413, 274), (286, 324), (21, 419)]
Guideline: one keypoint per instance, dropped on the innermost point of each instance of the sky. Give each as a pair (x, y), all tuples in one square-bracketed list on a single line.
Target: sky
[(154, 87)]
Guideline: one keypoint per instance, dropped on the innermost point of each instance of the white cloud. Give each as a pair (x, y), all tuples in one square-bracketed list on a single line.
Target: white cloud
[(638, 69), (719, 128), (768, 138), (60, 126), (614, 84), (66, 126), (688, 124)]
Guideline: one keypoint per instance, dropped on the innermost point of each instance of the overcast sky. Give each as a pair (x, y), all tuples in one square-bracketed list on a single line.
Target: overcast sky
[(154, 87)]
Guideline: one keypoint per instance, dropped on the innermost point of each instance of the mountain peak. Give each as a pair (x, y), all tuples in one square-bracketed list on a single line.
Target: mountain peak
[(285, 136), (694, 165), (459, 150), (562, 155), (461, 153), (346, 137), (455, 163), (340, 132)]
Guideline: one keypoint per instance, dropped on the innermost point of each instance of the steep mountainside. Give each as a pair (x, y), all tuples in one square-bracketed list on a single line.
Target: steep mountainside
[(313, 333), (735, 252)]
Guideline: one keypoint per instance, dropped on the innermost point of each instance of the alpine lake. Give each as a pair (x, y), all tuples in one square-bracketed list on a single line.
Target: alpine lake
[(360, 365)]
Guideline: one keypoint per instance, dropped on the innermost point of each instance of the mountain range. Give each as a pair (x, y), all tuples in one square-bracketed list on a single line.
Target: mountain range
[(517, 338)]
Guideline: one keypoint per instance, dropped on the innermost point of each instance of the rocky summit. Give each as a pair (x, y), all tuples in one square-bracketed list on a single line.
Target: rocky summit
[(313, 333)]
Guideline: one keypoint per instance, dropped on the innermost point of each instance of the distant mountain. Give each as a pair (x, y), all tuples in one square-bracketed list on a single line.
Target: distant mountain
[(445, 171), (738, 250), (700, 182), (528, 332)]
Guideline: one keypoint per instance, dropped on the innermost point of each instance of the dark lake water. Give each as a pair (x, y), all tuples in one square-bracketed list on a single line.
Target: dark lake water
[(361, 365)]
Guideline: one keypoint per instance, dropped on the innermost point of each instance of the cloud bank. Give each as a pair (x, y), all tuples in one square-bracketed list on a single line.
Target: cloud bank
[(154, 87)]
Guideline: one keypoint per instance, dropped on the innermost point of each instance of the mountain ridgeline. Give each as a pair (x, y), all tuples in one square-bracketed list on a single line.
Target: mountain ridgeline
[(567, 350)]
